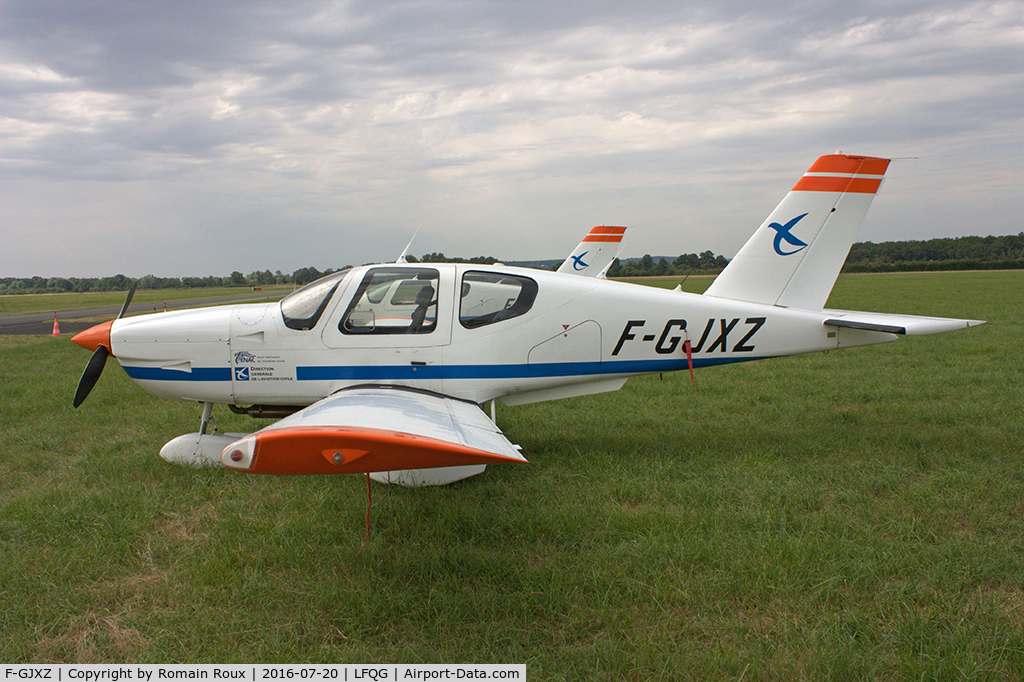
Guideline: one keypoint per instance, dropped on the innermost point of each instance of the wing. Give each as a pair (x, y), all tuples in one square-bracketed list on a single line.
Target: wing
[(361, 430)]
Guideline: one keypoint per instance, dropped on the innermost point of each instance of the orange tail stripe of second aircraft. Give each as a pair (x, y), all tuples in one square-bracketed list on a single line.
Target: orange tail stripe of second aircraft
[(605, 233)]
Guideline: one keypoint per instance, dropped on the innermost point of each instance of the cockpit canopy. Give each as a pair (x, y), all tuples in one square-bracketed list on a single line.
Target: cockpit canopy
[(302, 308), (404, 300), (393, 301)]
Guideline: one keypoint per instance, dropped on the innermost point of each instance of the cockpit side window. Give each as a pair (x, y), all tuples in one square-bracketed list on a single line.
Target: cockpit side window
[(393, 301), (489, 297), (302, 309)]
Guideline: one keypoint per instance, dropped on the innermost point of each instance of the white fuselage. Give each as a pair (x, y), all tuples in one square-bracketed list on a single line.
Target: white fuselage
[(475, 341)]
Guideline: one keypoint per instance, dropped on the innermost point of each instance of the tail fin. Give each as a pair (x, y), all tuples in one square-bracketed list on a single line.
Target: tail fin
[(794, 258), (595, 253)]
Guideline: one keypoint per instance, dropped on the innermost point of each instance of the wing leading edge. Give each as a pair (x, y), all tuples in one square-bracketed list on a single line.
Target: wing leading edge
[(371, 429)]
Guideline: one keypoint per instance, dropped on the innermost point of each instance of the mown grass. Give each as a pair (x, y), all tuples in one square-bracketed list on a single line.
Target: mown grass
[(695, 284), (850, 515), (17, 304)]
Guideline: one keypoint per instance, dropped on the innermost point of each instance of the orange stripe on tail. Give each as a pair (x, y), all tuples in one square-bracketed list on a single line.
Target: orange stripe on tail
[(837, 184), (605, 233), (840, 173), (840, 163)]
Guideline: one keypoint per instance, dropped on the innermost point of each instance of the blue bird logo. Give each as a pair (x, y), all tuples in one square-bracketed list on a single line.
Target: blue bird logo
[(577, 261), (783, 233)]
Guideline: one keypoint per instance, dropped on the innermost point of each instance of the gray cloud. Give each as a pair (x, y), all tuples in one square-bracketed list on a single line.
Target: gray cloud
[(214, 136)]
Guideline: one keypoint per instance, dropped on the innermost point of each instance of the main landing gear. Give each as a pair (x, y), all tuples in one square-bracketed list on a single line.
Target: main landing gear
[(203, 448)]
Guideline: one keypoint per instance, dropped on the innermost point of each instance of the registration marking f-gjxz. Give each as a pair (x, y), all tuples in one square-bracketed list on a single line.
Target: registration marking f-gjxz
[(667, 343)]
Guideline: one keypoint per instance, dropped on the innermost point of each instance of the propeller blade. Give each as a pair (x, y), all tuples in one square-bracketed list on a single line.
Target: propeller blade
[(91, 374), (99, 357), (128, 300)]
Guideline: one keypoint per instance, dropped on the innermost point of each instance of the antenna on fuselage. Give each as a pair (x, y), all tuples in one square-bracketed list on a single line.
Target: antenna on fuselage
[(401, 258)]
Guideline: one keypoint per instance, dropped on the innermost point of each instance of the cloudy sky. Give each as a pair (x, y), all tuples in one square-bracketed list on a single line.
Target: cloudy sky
[(194, 138)]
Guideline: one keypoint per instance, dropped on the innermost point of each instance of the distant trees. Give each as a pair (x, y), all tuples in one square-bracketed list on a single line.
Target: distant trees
[(960, 253), (437, 257), (705, 263), (59, 284), (306, 275), (261, 278), (115, 283), (40, 285), (151, 282), (957, 253)]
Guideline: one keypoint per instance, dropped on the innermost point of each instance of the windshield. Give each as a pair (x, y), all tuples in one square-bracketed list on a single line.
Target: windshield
[(302, 308)]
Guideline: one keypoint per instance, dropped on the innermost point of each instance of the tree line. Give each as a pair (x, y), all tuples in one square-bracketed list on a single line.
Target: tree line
[(952, 253), (638, 267), (688, 263), (41, 285), (956, 253)]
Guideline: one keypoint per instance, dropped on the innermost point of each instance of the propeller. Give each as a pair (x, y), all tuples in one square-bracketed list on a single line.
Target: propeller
[(97, 339), (127, 300), (91, 374)]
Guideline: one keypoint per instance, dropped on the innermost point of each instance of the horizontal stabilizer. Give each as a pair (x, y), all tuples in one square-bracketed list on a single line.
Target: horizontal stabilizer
[(363, 430), (910, 325), (866, 326)]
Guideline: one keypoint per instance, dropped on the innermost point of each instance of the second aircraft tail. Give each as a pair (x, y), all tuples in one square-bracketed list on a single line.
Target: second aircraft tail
[(595, 253)]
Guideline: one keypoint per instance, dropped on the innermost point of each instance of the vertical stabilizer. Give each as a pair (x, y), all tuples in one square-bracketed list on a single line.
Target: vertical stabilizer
[(595, 253), (794, 258)]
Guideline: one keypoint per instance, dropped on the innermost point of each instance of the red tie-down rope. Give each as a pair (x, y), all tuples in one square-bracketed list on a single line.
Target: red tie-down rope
[(689, 358), (369, 501)]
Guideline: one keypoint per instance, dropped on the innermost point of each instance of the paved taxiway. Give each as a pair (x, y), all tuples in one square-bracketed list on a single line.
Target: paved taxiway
[(42, 323)]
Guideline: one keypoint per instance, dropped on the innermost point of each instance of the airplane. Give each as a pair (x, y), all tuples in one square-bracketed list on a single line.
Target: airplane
[(382, 369), (600, 247)]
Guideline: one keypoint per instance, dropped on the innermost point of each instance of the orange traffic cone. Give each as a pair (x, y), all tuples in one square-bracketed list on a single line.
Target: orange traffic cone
[(56, 327)]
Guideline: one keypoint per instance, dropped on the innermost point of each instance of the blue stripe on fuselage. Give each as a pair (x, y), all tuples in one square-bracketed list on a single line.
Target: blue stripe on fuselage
[(521, 371), (435, 372), (160, 374)]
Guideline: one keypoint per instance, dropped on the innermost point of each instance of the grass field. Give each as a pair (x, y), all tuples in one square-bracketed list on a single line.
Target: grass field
[(17, 304), (851, 515)]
